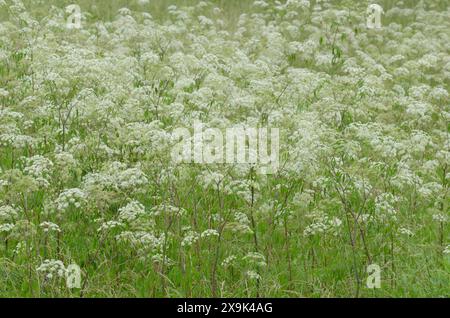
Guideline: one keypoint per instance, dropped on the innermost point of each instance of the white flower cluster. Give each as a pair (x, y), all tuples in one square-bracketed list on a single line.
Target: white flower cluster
[(142, 240), (109, 225), (405, 231), (64, 163), (87, 121), (252, 275), (209, 233), (229, 261), (241, 223), (118, 178), (16, 140), (160, 258), (440, 217), (167, 209), (447, 249), (52, 269), (323, 224), (8, 213), (70, 198), (3, 183), (50, 227), (131, 179), (254, 258), (131, 211), (385, 206), (39, 168), (7, 227), (190, 238)]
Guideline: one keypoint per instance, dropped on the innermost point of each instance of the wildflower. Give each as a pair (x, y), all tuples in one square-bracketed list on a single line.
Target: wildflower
[(52, 269), (131, 211), (7, 227), (71, 197), (208, 233), (107, 226), (190, 238), (440, 217), (229, 261), (131, 179), (241, 224), (252, 275), (3, 92), (38, 166), (384, 204), (167, 209), (8, 213), (49, 227), (405, 231), (3, 183), (20, 248), (322, 224), (447, 250), (254, 258), (141, 240), (159, 259)]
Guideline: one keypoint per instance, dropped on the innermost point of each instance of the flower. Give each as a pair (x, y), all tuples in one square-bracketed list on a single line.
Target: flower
[(52, 269), (49, 227), (131, 211), (209, 233), (70, 197), (252, 275)]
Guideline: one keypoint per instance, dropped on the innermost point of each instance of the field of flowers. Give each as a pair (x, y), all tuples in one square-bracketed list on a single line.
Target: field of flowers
[(93, 204)]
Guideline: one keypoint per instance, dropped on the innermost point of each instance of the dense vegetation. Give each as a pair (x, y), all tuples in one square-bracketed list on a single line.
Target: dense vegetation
[(87, 176)]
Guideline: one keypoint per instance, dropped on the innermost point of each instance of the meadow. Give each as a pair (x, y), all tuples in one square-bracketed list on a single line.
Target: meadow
[(357, 207)]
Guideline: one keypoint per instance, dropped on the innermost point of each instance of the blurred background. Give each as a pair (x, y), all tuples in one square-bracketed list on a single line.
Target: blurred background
[(107, 9)]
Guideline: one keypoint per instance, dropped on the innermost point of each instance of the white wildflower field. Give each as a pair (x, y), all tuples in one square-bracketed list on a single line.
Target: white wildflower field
[(181, 148)]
